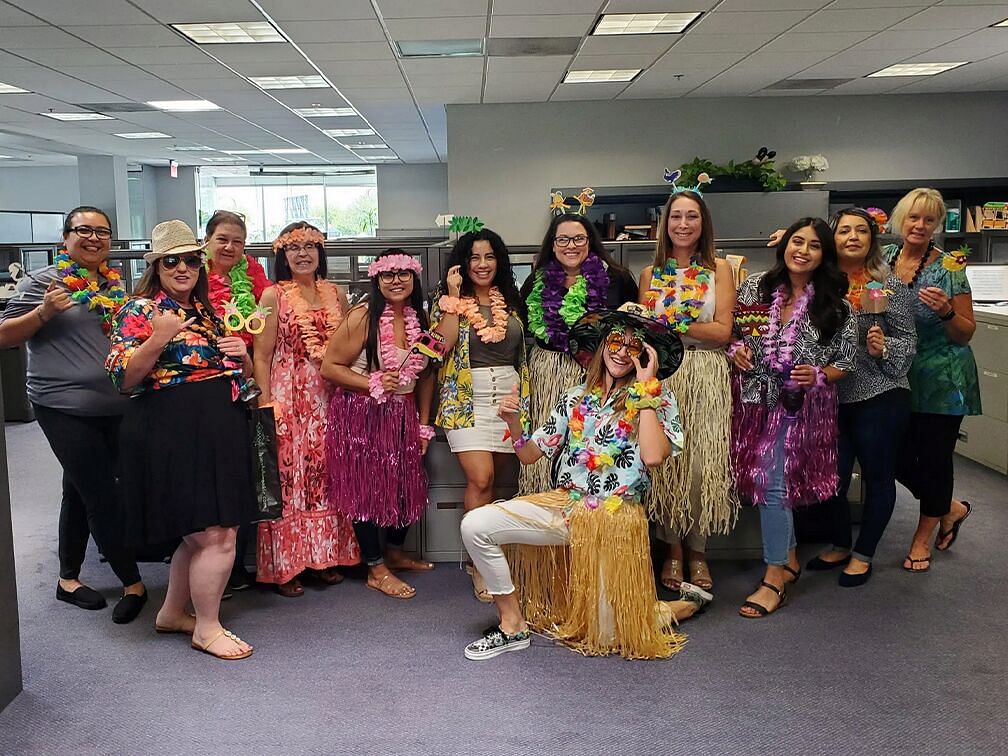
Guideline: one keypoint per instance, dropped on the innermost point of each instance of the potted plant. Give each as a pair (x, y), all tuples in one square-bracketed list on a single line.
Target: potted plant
[(757, 174), (808, 166)]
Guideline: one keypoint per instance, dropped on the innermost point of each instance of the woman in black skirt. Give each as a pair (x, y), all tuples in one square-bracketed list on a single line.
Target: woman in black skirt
[(184, 438)]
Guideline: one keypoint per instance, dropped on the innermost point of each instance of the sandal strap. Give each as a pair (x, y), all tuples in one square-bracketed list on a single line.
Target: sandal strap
[(794, 573), (762, 610), (774, 588)]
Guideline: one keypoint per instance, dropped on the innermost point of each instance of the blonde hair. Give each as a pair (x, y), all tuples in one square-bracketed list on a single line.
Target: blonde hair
[(705, 244), (931, 201), (596, 371)]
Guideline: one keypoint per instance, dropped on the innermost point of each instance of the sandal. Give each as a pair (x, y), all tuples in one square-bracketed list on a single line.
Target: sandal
[(699, 573), (795, 573), (913, 561), (480, 590), (672, 574), (407, 563), (291, 589), (166, 630), (953, 531), (406, 592), (205, 648), (329, 576), (762, 611)]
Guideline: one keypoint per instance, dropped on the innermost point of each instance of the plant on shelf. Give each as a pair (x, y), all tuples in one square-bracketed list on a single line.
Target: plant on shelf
[(808, 165), (760, 170)]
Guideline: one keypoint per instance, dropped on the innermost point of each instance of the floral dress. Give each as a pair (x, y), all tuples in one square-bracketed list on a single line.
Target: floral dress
[(311, 534)]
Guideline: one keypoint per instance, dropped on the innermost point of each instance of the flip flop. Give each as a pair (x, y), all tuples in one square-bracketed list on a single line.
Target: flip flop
[(954, 530), (205, 647), (917, 561)]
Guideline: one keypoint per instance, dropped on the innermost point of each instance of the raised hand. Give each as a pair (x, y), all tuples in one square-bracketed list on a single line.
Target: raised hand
[(166, 325), (646, 372), (454, 279), (775, 237), (56, 300), (935, 298)]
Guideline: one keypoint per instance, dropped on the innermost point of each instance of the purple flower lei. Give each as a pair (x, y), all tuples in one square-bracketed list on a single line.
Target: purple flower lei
[(597, 284), (778, 354)]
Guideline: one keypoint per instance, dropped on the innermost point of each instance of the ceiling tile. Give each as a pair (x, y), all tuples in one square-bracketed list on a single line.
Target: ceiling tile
[(37, 38), (916, 41), (541, 26), (771, 5), (605, 62), (537, 7), (749, 21), (157, 55), (11, 16), (968, 17), (870, 19), (468, 27), (348, 51), (815, 41), (444, 67), (396, 9), (94, 13), (313, 32), (317, 10), (631, 43), (658, 6), (528, 64), (148, 35), (721, 43), (202, 12), (269, 52)]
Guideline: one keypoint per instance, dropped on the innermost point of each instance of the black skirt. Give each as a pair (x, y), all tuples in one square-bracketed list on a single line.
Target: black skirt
[(185, 462)]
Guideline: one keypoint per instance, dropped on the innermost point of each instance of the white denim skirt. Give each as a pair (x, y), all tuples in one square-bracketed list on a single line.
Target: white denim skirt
[(490, 385)]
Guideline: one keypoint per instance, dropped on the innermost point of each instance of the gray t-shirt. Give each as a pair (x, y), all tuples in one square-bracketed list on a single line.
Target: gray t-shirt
[(498, 354), (66, 356)]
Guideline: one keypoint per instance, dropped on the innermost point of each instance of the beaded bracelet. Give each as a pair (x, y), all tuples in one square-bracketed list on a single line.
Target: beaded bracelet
[(450, 305), (519, 442)]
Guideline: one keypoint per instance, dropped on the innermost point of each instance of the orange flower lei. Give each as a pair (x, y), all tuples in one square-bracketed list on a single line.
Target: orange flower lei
[(468, 308), (855, 287), (314, 342)]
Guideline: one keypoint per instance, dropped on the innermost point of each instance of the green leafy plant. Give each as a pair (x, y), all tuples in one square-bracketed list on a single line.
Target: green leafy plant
[(764, 172), (464, 224)]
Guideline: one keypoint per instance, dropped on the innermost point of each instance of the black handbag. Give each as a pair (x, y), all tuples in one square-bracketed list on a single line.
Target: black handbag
[(265, 464)]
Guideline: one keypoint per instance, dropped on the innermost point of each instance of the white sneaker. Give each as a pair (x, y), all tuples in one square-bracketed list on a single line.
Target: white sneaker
[(496, 642), (696, 594)]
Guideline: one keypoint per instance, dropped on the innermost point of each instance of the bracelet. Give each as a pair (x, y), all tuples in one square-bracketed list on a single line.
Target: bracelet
[(948, 316), (426, 432), (820, 377), (519, 442), (643, 395), (450, 305), (734, 347), (38, 312), (375, 387)]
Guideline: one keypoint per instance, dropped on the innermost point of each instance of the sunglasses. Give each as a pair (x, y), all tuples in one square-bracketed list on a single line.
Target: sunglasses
[(191, 261), (614, 342), (389, 276)]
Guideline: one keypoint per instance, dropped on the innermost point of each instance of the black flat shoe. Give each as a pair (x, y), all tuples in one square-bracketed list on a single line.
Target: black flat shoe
[(818, 564), (84, 597), (847, 580), (128, 608)]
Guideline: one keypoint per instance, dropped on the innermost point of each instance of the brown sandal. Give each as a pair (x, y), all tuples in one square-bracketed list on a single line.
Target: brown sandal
[(406, 592), (699, 573), (407, 563), (205, 648), (291, 589), (480, 590), (329, 576), (672, 574)]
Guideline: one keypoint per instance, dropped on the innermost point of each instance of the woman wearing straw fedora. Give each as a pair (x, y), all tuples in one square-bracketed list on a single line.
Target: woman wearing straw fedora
[(603, 436), (185, 462)]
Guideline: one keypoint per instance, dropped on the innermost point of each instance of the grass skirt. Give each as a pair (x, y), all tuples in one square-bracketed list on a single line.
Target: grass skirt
[(702, 389), (376, 471), (596, 596)]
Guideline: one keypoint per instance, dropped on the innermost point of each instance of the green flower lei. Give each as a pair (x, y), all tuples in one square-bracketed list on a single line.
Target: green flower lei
[(571, 309)]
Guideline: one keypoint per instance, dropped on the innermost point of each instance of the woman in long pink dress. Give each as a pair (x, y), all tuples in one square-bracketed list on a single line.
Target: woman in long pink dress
[(305, 311)]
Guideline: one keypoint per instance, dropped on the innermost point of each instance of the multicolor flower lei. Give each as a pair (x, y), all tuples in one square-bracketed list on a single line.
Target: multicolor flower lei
[(550, 313), (467, 308), (674, 304), (778, 352), (389, 357), (314, 342), (86, 292)]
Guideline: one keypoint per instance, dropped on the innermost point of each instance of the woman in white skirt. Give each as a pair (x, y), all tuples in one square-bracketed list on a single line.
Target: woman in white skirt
[(479, 313)]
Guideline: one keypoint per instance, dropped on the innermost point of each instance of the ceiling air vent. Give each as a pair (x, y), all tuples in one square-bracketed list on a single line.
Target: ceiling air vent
[(117, 107), (788, 85), (508, 47)]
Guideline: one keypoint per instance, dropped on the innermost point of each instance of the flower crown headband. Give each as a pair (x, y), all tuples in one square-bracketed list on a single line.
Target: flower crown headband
[(673, 176), (559, 206), (388, 263), (300, 236)]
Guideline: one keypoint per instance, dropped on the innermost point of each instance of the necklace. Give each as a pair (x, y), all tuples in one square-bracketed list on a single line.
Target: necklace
[(306, 317), (674, 304), (87, 292), (920, 264), (614, 453), (488, 334), (778, 353), (387, 346), (551, 314)]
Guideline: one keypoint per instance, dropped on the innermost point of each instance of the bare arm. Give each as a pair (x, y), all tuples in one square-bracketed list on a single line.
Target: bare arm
[(18, 330), (644, 284), (264, 345), (962, 326), (719, 331), (342, 350)]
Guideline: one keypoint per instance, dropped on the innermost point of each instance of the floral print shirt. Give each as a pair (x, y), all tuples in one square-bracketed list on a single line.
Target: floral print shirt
[(191, 356), (943, 376), (627, 477)]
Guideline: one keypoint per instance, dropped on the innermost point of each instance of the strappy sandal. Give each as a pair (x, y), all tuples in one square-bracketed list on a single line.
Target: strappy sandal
[(699, 574), (205, 647), (480, 590), (795, 573), (672, 574), (913, 561), (762, 611), (953, 531), (408, 563), (406, 592)]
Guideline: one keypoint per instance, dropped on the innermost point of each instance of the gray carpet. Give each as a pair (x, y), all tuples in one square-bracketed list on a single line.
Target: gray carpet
[(907, 664)]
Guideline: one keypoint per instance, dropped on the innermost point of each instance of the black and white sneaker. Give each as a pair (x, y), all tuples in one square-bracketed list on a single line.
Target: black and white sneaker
[(696, 594), (496, 642)]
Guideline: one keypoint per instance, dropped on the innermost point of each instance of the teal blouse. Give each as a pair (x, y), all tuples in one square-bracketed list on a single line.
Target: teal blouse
[(943, 376)]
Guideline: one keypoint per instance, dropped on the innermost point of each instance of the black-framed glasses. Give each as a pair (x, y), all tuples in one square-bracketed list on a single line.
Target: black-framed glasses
[(170, 262), (86, 232), (295, 248), (565, 241), (388, 276)]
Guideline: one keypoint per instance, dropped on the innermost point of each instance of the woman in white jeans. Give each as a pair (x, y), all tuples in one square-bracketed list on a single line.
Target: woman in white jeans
[(602, 437)]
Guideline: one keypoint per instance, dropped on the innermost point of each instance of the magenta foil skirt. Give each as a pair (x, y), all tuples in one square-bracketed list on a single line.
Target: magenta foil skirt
[(810, 449), (376, 471)]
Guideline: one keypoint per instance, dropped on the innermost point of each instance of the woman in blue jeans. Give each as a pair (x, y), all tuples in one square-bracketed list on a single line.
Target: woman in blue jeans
[(874, 398), (784, 416)]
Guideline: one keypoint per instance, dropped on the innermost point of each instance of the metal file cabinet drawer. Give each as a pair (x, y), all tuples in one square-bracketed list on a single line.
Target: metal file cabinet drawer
[(984, 439), (442, 542), (994, 393), (990, 345)]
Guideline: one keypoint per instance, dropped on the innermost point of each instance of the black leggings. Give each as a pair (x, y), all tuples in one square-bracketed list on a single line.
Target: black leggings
[(369, 537), (925, 465), (88, 449)]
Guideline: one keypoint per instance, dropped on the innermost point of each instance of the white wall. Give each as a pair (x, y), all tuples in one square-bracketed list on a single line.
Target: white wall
[(503, 159), (175, 197), (46, 188), (412, 196)]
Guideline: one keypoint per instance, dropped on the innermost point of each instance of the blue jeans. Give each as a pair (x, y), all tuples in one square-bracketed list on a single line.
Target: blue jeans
[(776, 520), (872, 431)]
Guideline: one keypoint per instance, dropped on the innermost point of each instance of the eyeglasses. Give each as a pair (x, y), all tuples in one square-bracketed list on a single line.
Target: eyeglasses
[(172, 261), (688, 217), (614, 342), (389, 276), (86, 232), (295, 248), (565, 241)]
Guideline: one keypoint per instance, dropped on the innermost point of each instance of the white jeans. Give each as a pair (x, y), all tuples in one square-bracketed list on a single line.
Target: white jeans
[(487, 528)]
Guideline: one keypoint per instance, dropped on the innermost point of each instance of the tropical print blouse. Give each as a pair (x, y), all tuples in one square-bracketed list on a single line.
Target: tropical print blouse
[(943, 376), (191, 356), (607, 466), (455, 405)]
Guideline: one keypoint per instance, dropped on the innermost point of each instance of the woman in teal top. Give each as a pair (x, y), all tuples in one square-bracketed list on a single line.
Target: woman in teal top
[(943, 376)]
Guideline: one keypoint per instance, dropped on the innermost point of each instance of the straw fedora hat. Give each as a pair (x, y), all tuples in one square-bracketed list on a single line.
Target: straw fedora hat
[(172, 237)]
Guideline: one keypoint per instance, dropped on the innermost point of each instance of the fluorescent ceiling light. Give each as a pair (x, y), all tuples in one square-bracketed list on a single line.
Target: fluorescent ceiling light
[(917, 69), (11, 89), (144, 135), (439, 48), (347, 132), (78, 116), (289, 82), (190, 148), (377, 146), (183, 106), (222, 159), (325, 112), (6, 157), (277, 151), (1001, 23), (230, 33), (644, 23), (382, 157), (601, 76)]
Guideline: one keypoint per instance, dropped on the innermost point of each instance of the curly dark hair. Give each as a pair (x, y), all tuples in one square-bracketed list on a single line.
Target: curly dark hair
[(504, 278)]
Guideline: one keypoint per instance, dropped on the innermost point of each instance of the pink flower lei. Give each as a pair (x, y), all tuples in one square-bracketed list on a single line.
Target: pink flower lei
[(778, 352), (387, 348), (389, 263)]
